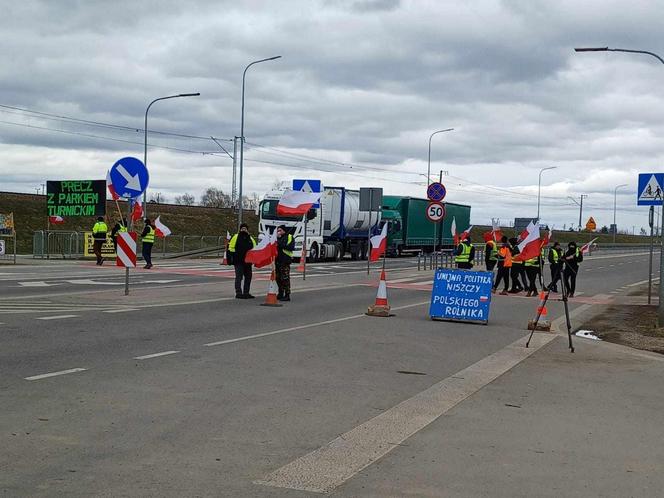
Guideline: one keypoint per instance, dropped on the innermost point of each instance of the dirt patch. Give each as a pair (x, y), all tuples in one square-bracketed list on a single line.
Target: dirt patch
[(630, 325)]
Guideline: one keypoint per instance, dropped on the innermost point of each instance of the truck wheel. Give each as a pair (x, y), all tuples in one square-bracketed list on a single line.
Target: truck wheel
[(338, 251), (399, 251), (313, 252), (323, 252)]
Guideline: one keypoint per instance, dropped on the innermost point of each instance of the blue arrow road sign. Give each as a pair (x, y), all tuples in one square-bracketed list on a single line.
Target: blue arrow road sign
[(308, 186), (436, 192), (651, 189), (129, 177)]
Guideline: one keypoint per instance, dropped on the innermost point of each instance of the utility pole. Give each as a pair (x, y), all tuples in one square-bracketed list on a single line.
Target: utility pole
[(234, 187), (581, 210)]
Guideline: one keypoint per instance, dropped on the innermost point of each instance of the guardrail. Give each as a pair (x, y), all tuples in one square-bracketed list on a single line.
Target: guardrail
[(8, 255)]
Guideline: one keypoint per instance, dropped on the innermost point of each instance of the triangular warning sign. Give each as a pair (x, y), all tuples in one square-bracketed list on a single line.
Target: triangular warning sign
[(306, 188), (652, 190)]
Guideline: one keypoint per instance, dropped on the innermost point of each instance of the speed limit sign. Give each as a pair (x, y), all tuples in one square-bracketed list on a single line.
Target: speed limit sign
[(435, 211)]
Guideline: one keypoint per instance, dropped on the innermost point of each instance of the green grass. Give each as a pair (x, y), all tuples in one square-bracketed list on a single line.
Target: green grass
[(30, 215), (564, 237)]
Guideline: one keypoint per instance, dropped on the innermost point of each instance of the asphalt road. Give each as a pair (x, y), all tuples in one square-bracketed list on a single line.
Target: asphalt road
[(180, 390)]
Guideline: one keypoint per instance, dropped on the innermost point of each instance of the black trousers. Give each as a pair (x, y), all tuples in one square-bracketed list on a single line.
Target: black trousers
[(503, 274), (556, 271), (283, 279), (465, 266), (532, 272), (96, 248), (147, 252), (243, 272), (569, 274), (490, 264), (515, 273)]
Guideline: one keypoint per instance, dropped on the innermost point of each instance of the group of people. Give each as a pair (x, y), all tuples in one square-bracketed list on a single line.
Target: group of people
[(238, 247), (523, 275), (100, 229)]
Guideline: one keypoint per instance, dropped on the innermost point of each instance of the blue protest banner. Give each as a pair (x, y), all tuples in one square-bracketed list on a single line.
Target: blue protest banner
[(461, 295)]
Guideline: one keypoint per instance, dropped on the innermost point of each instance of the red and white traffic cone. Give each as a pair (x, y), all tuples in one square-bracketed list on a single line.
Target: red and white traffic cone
[(381, 307), (540, 322), (300, 267), (272, 289)]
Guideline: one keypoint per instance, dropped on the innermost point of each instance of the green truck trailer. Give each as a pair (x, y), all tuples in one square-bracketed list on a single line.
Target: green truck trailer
[(411, 231)]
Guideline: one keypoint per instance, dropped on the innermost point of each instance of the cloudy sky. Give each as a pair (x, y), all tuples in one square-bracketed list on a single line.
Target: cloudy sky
[(360, 87)]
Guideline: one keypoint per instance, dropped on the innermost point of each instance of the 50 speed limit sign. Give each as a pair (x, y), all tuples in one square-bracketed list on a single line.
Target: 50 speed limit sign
[(435, 211)]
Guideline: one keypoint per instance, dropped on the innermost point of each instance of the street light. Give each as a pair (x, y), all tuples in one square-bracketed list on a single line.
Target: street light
[(539, 188), (615, 227), (145, 142), (239, 216), (660, 311), (429, 163)]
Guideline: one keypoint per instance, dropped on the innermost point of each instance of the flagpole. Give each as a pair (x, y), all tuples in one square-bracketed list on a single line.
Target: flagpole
[(304, 248)]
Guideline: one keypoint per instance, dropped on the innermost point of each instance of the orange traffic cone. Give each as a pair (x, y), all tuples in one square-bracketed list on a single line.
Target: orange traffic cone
[(272, 289), (300, 267), (381, 306), (539, 322)]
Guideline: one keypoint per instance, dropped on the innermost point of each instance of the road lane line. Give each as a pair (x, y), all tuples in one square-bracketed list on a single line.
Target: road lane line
[(55, 374), (643, 282), (120, 310), (59, 317), (155, 355), (305, 326), (326, 468)]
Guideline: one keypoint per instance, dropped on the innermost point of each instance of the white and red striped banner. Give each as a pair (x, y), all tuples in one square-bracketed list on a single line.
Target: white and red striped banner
[(126, 250)]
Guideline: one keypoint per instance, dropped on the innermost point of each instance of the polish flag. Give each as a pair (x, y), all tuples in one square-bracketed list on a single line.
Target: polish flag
[(495, 230), (266, 250), (586, 247), (530, 246), (56, 220), (378, 244), (545, 240), (296, 202), (453, 230), (137, 210), (111, 188), (465, 234), (228, 235), (161, 229)]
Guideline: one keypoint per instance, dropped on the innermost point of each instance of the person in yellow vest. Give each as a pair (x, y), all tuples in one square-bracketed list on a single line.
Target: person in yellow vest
[(285, 247), (556, 266), (120, 226), (147, 237), (532, 271), (490, 252), (238, 246), (464, 254), (504, 266), (99, 235)]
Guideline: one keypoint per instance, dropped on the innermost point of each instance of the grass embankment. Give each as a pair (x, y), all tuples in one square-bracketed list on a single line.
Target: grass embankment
[(564, 237), (30, 215)]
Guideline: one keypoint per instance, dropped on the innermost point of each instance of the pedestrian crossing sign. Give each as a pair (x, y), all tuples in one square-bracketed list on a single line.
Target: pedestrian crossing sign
[(651, 189)]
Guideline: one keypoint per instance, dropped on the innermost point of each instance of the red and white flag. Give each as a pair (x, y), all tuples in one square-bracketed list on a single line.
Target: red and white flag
[(495, 230), (530, 246), (111, 188), (465, 233), (378, 244), (296, 202), (586, 247), (228, 235), (544, 241), (266, 250), (455, 237), (161, 229), (56, 220), (137, 210)]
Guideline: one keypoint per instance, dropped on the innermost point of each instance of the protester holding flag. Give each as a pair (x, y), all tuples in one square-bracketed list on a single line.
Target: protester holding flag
[(516, 269), (464, 254), (532, 267), (490, 251), (504, 266), (238, 247), (147, 237), (99, 235), (120, 226), (555, 265), (285, 247), (572, 257)]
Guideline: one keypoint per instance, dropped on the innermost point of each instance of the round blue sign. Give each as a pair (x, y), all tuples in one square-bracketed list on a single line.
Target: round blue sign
[(129, 177), (436, 192)]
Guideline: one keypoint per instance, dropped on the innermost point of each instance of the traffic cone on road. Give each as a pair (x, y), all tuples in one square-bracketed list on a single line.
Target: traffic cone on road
[(272, 289), (381, 306), (300, 267), (538, 323)]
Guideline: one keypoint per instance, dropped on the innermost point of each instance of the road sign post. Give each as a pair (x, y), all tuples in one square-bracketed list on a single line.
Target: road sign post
[(436, 192)]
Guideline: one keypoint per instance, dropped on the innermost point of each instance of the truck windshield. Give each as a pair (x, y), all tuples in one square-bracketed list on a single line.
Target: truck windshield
[(269, 211)]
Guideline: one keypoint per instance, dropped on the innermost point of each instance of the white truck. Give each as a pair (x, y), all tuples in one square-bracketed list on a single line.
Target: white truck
[(334, 229)]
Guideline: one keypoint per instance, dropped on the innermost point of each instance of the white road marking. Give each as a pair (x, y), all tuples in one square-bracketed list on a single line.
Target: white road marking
[(120, 310), (306, 326), (326, 468), (643, 282), (35, 284), (155, 355), (59, 317), (55, 374)]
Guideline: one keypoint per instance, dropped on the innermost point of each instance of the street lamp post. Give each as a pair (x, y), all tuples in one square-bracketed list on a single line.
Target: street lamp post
[(244, 74), (615, 227), (429, 162), (145, 142), (539, 188), (660, 310)]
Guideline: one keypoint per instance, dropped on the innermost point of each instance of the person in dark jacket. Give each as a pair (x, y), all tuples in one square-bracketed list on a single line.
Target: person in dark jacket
[(556, 265), (99, 235), (285, 247), (238, 247), (120, 226), (464, 254), (147, 238), (571, 259), (516, 270)]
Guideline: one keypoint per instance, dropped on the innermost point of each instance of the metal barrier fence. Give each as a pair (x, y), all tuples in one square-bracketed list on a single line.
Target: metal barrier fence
[(8, 246), (445, 259), (70, 245)]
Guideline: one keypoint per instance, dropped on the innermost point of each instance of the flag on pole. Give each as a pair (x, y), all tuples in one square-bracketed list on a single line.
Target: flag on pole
[(454, 232), (378, 244), (266, 250), (530, 246), (136, 210), (495, 230), (228, 236), (56, 220), (465, 233), (296, 202), (586, 247), (161, 229), (111, 188)]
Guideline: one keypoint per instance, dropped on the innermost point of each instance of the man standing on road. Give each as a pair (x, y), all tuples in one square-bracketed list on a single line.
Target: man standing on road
[(504, 266), (556, 265), (147, 237), (464, 254), (571, 259), (516, 270), (99, 235), (490, 252), (120, 226), (238, 247), (285, 246)]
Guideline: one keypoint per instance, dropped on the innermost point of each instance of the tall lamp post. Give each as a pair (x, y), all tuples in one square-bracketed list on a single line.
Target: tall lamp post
[(539, 189), (660, 310), (145, 142), (615, 227), (429, 162), (244, 74)]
